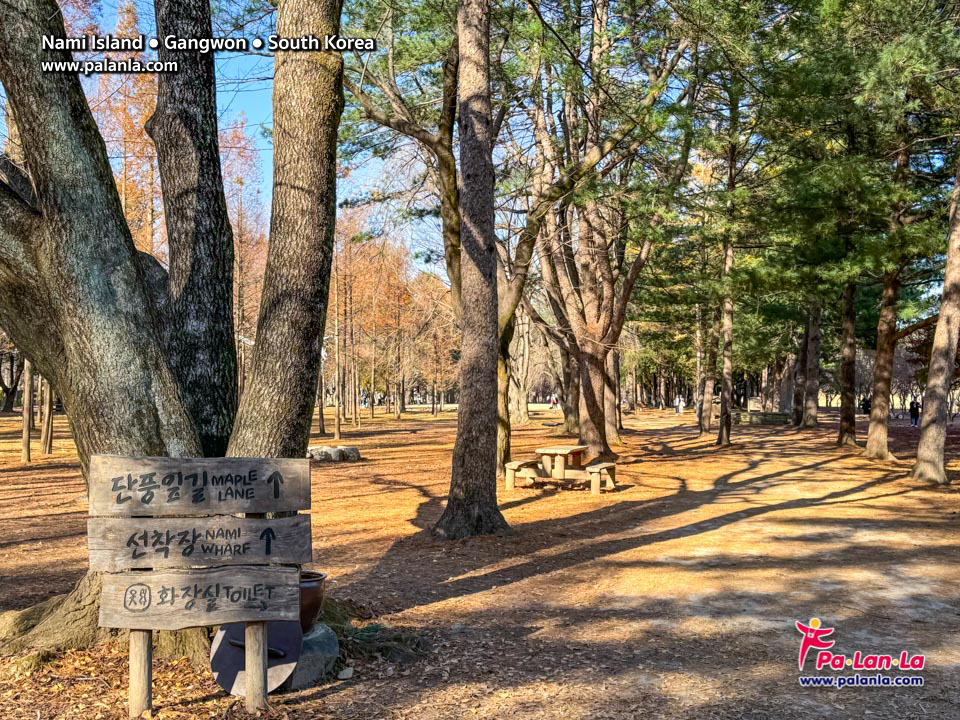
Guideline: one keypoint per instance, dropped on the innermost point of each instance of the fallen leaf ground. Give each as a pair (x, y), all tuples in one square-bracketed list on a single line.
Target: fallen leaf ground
[(673, 597)]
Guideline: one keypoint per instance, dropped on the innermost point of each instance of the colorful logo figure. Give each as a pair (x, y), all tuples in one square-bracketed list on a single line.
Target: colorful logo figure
[(813, 636)]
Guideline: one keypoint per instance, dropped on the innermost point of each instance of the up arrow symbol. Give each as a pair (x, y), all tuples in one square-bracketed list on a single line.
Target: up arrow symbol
[(277, 479), (268, 536)]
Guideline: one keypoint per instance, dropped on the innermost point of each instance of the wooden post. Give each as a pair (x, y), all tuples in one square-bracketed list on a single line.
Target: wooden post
[(255, 667), (141, 672)]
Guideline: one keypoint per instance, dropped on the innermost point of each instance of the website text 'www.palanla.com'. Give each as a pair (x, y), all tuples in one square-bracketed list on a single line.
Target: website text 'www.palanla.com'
[(858, 680), (106, 65)]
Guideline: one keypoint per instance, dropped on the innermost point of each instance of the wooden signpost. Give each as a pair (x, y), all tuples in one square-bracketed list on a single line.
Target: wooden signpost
[(175, 553)]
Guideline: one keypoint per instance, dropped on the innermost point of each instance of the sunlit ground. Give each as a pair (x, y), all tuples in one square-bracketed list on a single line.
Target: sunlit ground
[(673, 597)]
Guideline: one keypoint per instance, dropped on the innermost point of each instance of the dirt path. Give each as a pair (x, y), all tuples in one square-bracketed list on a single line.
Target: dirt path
[(674, 597)]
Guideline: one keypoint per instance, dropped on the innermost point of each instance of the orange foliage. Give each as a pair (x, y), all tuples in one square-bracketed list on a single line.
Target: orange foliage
[(395, 323), (122, 105)]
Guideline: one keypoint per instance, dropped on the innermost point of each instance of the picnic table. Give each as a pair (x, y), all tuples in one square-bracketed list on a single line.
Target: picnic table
[(556, 459), (563, 464)]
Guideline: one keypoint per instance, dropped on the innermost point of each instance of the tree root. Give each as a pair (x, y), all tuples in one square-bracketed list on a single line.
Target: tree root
[(462, 520), (879, 455), (848, 441), (66, 622), (924, 473), (61, 623)]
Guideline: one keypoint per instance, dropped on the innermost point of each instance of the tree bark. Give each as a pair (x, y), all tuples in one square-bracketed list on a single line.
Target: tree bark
[(276, 410), (198, 328), (27, 414), (519, 370), (933, 424), (705, 409), (593, 384), (321, 402), (848, 369), (812, 377), (74, 292), (611, 393), (785, 391), (472, 501), (883, 369), (661, 387), (570, 392), (503, 397), (46, 430), (726, 390), (800, 377)]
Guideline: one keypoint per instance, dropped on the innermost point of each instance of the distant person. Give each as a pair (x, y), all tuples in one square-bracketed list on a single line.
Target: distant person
[(914, 413), (867, 406), (553, 401), (678, 404)]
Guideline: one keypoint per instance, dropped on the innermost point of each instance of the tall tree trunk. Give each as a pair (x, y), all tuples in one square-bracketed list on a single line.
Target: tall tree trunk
[(933, 425), (503, 397), (472, 501), (765, 383), (199, 333), (337, 358), (373, 359), (705, 409), (785, 391), (661, 387), (277, 408), (593, 427), (46, 431), (570, 392), (356, 395), (611, 391), (619, 386), (812, 390), (800, 377), (321, 402), (883, 369), (848, 368), (726, 388), (520, 370), (27, 415), (698, 354)]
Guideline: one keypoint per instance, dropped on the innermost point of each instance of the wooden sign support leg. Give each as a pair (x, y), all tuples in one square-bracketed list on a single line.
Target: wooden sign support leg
[(255, 670), (141, 672)]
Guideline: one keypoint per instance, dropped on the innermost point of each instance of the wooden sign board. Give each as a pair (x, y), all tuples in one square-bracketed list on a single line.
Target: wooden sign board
[(176, 599), (124, 543), (182, 513), (162, 486)]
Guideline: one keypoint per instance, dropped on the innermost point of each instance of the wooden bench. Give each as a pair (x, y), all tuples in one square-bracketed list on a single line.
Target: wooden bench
[(606, 470), (522, 466)]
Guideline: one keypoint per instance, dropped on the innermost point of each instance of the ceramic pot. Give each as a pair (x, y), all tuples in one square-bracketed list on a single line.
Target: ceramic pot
[(312, 587)]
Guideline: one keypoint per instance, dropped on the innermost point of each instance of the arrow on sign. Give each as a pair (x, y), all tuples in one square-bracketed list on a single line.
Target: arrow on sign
[(277, 479), (268, 536)]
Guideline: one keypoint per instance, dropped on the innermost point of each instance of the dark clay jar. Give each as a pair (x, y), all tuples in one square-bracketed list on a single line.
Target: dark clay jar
[(311, 598)]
